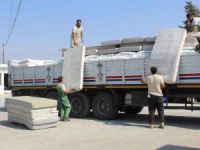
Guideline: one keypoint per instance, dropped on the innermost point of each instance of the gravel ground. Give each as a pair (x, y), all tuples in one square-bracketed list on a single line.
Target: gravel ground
[(182, 131)]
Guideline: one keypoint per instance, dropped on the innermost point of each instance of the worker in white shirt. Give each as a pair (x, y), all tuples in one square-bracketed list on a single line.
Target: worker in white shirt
[(155, 84), (192, 23), (77, 35)]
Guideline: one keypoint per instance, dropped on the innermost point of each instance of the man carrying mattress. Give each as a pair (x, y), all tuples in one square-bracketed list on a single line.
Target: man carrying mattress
[(155, 84), (63, 101)]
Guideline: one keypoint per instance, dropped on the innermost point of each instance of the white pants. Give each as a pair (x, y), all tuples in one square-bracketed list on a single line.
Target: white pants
[(72, 45)]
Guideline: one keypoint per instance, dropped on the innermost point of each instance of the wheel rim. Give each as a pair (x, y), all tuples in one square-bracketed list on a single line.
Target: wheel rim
[(105, 106), (76, 105)]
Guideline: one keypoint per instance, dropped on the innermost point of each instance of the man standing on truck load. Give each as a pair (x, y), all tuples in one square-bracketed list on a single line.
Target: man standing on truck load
[(155, 84), (192, 23), (77, 35), (63, 101)]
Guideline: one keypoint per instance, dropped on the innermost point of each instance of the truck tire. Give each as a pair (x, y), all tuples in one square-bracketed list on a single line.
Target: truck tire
[(51, 95), (80, 105), (133, 110), (103, 106), (16, 93)]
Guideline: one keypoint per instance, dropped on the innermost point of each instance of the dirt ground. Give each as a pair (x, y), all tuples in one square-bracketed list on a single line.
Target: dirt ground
[(182, 131)]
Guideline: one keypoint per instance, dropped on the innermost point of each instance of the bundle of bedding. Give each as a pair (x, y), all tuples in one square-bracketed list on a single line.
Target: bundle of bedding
[(33, 112)]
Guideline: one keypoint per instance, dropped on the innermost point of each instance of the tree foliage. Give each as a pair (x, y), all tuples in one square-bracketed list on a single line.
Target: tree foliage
[(192, 9)]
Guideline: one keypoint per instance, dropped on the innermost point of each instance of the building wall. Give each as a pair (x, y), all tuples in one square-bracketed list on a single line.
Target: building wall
[(3, 70)]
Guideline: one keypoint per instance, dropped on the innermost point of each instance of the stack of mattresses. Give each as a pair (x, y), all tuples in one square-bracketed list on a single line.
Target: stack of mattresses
[(134, 44), (111, 43), (91, 52), (167, 51), (33, 112)]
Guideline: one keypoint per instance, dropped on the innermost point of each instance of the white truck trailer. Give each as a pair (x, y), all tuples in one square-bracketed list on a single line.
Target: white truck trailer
[(112, 80)]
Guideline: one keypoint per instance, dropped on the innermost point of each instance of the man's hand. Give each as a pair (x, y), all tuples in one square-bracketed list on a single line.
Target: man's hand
[(162, 85), (144, 80), (75, 43), (73, 89)]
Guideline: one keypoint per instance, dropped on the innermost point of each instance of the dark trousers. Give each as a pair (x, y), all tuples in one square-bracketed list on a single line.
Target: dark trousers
[(156, 102)]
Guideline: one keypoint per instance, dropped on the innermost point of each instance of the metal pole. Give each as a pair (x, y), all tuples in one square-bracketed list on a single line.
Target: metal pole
[(3, 55)]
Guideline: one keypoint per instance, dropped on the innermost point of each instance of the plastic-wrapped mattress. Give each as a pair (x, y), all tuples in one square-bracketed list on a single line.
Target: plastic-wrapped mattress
[(167, 51), (73, 68)]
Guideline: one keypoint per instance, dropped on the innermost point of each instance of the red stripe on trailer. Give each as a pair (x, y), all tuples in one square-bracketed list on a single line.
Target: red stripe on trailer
[(191, 74), (89, 78), (28, 80), (114, 77), (18, 80), (39, 79), (133, 76)]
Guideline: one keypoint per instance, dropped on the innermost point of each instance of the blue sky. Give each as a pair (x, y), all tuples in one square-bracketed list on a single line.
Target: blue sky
[(44, 26)]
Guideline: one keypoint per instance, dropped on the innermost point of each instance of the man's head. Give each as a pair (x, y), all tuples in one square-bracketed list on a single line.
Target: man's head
[(78, 23), (154, 70), (189, 17), (60, 79)]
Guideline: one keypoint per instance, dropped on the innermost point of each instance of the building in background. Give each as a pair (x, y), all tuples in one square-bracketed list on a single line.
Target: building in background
[(3, 77)]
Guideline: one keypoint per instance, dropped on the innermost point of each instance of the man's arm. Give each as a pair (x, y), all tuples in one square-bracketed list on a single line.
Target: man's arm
[(162, 83), (144, 80), (73, 37), (82, 36), (66, 91)]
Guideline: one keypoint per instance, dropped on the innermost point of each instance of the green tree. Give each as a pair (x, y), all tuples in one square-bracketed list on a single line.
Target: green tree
[(192, 9)]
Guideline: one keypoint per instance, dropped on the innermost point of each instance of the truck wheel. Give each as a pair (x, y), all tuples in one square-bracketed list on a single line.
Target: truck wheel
[(16, 93), (103, 106), (133, 110), (80, 105), (52, 95)]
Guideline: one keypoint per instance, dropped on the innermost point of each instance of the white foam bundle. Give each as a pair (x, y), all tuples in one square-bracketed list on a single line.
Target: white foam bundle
[(73, 68), (33, 112), (167, 51), (133, 40), (111, 43), (148, 47), (108, 51), (130, 48), (150, 39), (91, 52), (31, 63)]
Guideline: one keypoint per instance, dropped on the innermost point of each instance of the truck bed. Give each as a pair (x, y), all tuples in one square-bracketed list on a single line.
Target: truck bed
[(111, 73)]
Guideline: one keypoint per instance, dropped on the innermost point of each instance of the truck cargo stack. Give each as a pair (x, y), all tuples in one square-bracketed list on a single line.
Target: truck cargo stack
[(113, 74)]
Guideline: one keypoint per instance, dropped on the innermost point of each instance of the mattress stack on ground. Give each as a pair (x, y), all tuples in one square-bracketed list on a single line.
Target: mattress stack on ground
[(73, 68), (167, 51), (33, 112)]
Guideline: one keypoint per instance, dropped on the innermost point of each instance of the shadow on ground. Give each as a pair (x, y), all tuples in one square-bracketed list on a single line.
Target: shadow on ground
[(13, 125), (174, 147), (141, 120)]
